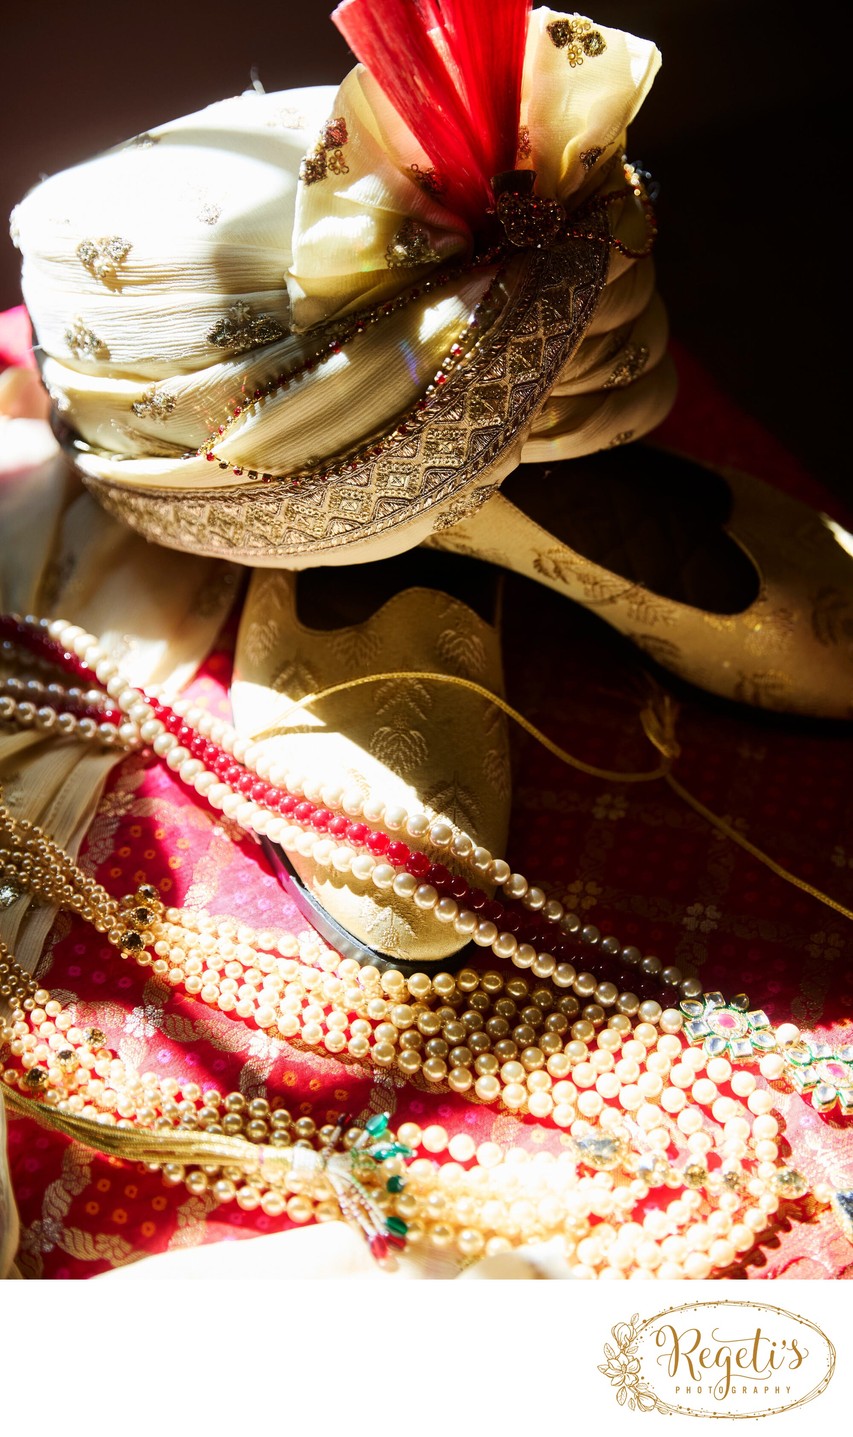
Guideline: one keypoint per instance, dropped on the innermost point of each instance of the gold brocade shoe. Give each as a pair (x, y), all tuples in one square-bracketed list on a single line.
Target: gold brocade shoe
[(384, 749), (718, 577)]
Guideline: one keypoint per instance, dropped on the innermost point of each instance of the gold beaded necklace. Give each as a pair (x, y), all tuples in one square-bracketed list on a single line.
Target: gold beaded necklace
[(620, 1090)]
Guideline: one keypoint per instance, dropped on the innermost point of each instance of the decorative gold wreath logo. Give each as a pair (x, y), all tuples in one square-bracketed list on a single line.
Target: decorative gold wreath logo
[(714, 1370), (623, 1369)]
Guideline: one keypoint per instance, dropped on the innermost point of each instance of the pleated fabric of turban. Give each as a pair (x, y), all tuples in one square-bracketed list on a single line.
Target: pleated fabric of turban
[(272, 331)]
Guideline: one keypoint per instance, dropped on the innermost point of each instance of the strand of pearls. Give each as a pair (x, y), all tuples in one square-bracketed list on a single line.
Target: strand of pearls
[(266, 800), (72, 1071), (643, 1111), (70, 713), (498, 1039), (510, 1198), (726, 1171)]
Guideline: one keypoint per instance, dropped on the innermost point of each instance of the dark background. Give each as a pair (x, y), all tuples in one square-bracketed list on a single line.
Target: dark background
[(742, 130)]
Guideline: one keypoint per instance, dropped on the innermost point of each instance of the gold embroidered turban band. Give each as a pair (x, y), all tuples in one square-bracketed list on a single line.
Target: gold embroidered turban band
[(315, 327)]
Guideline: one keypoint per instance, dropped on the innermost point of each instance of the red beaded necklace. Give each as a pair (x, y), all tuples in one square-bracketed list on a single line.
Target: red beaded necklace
[(508, 914)]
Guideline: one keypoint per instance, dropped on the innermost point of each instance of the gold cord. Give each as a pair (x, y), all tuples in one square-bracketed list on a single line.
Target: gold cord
[(664, 740), (141, 1145), (724, 827), (657, 719)]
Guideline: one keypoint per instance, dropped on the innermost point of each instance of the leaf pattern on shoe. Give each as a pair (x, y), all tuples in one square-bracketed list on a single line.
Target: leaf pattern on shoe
[(645, 607), (402, 696), (296, 678), (400, 747), (560, 566), (453, 801), (663, 651), (389, 928), (463, 653), (764, 690), (355, 648), (493, 721), (769, 633), (260, 639), (496, 770), (832, 617)]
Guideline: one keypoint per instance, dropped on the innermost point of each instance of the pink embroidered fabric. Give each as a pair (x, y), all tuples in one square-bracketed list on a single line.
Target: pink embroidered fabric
[(633, 860)]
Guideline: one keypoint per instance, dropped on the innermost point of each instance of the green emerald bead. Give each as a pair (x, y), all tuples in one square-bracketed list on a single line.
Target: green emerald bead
[(395, 1185), (396, 1225), (376, 1125)]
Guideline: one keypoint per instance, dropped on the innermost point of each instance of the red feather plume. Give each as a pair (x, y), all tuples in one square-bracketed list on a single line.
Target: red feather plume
[(452, 70)]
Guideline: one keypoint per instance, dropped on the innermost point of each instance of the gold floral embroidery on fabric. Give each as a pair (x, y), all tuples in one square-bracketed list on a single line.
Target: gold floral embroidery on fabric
[(701, 917), (429, 179), (242, 329), (327, 156), (411, 247), (578, 38), (610, 807), (825, 949), (154, 404), (583, 894), (523, 148), (84, 343), (190, 1222), (591, 157), (287, 119), (49, 1231), (210, 214), (629, 368), (103, 257)]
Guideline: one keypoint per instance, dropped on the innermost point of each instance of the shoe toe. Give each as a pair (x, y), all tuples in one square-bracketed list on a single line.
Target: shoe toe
[(385, 748)]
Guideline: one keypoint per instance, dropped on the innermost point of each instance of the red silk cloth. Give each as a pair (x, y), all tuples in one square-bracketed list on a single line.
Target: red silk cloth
[(634, 860)]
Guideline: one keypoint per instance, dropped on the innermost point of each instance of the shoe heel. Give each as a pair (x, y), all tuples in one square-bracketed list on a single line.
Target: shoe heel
[(338, 938)]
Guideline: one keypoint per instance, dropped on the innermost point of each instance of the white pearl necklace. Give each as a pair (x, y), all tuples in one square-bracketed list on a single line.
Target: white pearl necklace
[(142, 727)]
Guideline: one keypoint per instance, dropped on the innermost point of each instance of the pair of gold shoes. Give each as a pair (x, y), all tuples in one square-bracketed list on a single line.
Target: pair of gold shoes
[(716, 576)]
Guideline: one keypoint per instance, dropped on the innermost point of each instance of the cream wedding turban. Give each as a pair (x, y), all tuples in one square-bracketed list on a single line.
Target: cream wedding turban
[(277, 330)]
